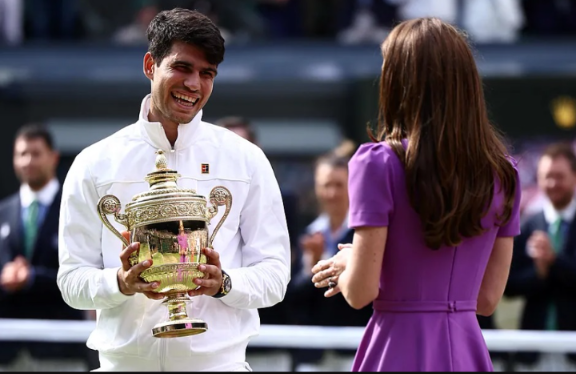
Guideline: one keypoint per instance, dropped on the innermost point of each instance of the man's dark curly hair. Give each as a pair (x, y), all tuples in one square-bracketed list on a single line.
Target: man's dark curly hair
[(188, 26)]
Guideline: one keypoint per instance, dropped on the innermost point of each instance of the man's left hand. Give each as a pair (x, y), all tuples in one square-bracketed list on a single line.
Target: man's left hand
[(211, 284)]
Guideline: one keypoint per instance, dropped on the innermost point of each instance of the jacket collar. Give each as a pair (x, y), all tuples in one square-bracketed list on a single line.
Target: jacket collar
[(153, 132)]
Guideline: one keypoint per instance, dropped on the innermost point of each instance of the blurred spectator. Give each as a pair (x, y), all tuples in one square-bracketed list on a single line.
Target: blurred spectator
[(270, 359), (485, 21), (371, 22), (446, 10), (52, 19), (322, 18), (135, 33), (543, 268), (29, 257), (320, 241), (11, 21), (550, 17), (282, 18), (488, 21)]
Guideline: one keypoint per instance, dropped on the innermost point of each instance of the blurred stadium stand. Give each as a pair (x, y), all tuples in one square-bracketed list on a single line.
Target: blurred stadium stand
[(312, 93)]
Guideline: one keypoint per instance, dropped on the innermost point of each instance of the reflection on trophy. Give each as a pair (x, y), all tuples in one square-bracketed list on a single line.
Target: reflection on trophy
[(171, 225)]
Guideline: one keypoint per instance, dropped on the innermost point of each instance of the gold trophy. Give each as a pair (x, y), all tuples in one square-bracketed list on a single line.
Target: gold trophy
[(171, 225)]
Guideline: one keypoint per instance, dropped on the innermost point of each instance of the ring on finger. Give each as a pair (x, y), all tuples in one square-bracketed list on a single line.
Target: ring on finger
[(332, 283)]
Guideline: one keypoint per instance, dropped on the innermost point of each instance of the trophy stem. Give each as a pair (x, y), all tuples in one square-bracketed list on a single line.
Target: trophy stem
[(178, 324), (176, 304)]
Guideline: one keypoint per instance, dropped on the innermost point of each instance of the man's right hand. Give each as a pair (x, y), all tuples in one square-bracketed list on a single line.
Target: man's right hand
[(129, 280)]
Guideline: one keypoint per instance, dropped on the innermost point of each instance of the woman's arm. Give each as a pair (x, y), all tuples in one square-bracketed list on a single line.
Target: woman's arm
[(359, 282), (495, 276)]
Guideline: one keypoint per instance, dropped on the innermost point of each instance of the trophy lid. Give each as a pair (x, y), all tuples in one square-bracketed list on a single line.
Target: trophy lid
[(163, 183)]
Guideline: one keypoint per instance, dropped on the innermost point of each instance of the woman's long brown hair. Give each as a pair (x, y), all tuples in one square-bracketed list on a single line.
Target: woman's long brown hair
[(431, 94)]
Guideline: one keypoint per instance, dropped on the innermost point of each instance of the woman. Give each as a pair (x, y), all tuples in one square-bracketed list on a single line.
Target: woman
[(434, 202)]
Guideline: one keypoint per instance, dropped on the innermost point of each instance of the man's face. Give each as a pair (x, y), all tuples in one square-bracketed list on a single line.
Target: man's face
[(331, 184), (557, 180), (181, 84), (34, 162)]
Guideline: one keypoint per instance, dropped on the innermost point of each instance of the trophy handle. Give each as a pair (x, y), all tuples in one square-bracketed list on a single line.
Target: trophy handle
[(110, 204), (219, 196)]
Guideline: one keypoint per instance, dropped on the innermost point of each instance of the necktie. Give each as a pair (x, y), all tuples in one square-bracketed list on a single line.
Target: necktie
[(30, 228), (556, 235)]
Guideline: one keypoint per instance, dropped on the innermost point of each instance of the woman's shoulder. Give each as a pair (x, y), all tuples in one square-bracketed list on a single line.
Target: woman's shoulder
[(380, 152)]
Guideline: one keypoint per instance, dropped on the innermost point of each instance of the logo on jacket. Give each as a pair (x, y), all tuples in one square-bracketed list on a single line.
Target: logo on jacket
[(205, 169)]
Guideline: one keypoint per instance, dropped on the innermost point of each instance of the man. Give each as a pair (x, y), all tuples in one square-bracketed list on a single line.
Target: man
[(543, 268), (29, 256), (264, 358), (251, 249)]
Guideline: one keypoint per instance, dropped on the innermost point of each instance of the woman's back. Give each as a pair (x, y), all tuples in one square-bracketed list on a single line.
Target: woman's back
[(429, 198), (427, 297)]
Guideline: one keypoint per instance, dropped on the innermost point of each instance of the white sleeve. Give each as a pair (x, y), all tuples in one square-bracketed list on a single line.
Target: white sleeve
[(82, 279), (263, 280)]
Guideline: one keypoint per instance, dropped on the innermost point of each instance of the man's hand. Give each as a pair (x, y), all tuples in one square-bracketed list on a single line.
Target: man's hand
[(129, 280), (541, 251), (15, 274), (211, 284)]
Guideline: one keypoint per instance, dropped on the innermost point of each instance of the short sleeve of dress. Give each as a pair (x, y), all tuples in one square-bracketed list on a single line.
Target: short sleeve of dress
[(370, 185), (512, 228)]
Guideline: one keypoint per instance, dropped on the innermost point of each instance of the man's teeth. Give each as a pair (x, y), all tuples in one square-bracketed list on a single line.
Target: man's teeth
[(185, 98)]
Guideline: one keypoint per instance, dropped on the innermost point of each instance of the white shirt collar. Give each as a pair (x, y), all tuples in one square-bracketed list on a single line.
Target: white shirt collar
[(154, 132), (45, 196), (551, 214)]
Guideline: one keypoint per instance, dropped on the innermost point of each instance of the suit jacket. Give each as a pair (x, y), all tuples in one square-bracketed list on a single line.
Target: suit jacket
[(559, 287), (41, 299)]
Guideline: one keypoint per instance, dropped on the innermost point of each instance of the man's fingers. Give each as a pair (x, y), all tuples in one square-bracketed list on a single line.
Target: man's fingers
[(137, 269), (141, 286), (154, 295), (212, 276), (208, 283), (212, 270), (126, 235), (125, 255), (213, 257)]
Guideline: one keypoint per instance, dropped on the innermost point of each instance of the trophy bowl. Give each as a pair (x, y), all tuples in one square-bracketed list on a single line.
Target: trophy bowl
[(171, 225)]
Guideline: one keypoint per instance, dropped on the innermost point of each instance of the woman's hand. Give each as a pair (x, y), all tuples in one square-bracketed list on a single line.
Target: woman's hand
[(327, 272)]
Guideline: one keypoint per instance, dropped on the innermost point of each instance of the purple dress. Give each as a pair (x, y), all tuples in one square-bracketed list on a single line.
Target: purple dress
[(425, 314)]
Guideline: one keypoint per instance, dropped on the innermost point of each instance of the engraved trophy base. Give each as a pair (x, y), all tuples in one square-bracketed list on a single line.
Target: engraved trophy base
[(180, 328), (179, 324)]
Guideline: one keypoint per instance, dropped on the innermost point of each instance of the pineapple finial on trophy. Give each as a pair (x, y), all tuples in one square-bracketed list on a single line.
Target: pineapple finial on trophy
[(161, 162)]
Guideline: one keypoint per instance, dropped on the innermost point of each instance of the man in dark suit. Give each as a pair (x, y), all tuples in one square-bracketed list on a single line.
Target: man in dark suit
[(543, 267), (29, 257)]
